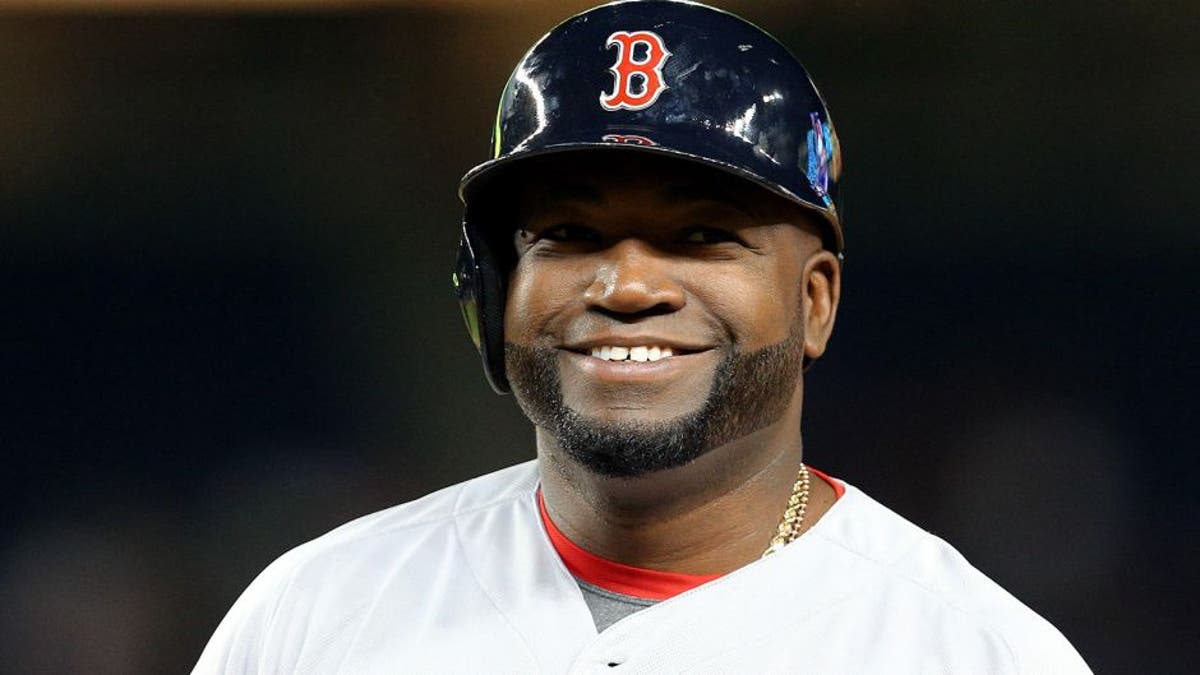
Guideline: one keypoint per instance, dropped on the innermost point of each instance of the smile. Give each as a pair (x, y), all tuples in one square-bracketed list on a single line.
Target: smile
[(639, 354), (628, 369)]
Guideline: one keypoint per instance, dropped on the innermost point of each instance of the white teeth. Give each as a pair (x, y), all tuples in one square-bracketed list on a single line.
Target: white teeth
[(639, 354)]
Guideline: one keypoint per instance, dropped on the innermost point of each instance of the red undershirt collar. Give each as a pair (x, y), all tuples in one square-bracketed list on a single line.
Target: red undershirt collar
[(626, 579)]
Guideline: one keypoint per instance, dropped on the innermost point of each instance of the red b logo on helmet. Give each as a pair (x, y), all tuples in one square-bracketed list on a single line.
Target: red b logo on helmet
[(632, 139), (638, 82)]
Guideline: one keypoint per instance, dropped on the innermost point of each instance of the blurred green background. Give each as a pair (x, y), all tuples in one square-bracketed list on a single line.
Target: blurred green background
[(226, 237)]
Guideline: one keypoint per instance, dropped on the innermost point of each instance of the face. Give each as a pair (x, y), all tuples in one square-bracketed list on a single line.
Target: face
[(657, 309)]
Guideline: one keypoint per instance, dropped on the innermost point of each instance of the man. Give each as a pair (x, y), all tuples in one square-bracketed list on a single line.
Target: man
[(649, 263)]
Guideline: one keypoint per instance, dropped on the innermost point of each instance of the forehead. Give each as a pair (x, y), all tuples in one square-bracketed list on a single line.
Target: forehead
[(603, 176), (626, 182)]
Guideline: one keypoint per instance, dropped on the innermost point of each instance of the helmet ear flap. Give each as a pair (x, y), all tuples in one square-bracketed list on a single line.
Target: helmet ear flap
[(479, 285)]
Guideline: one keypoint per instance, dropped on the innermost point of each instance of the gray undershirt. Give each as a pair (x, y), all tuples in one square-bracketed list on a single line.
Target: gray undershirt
[(607, 607)]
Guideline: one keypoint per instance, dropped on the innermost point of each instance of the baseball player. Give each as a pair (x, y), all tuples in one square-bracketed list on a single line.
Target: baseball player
[(649, 262)]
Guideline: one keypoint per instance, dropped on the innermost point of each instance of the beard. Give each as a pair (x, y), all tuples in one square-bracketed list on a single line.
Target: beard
[(750, 390)]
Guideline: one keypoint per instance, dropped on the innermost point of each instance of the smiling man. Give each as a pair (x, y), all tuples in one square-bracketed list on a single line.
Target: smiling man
[(649, 263)]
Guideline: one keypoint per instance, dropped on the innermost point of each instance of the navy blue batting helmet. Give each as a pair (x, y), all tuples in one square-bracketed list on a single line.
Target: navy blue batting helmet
[(670, 77)]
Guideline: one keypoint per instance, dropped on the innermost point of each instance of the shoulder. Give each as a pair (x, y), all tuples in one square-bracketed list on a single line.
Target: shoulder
[(434, 510), (397, 529), (927, 568), (327, 582)]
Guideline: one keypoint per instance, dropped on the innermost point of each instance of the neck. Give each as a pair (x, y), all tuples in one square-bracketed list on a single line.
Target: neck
[(711, 516)]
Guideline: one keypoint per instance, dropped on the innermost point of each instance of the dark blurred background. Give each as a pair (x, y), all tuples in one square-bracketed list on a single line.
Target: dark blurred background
[(226, 236)]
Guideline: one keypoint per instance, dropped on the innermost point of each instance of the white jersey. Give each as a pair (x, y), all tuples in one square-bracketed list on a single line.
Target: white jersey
[(465, 580)]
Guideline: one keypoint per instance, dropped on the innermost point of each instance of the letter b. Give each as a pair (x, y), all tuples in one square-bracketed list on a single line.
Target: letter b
[(637, 84)]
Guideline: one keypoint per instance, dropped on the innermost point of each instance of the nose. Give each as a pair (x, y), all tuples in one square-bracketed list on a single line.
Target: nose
[(634, 279)]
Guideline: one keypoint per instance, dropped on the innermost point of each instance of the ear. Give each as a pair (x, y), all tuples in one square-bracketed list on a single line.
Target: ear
[(819, 300)]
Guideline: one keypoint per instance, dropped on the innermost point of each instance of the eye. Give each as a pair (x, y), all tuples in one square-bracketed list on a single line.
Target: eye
[(709, 235)]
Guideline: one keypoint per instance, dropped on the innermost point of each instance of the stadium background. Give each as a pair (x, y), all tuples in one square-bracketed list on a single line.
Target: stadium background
[(226, 236)]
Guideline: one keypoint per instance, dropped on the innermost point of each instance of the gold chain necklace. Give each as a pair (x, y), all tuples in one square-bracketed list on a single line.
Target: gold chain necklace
[(793, 515)]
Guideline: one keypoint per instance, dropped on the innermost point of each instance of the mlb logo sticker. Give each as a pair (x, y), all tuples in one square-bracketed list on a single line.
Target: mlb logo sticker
[(637, 82), (824, 159)]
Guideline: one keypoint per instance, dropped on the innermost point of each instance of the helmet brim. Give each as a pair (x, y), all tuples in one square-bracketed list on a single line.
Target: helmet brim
[(476, 180)]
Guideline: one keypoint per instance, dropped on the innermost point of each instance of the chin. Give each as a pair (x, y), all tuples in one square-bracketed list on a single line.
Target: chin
[(630, 443), (641, 411)]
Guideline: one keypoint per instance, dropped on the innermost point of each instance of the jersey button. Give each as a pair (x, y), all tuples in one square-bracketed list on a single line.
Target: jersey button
[(613, 661)]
